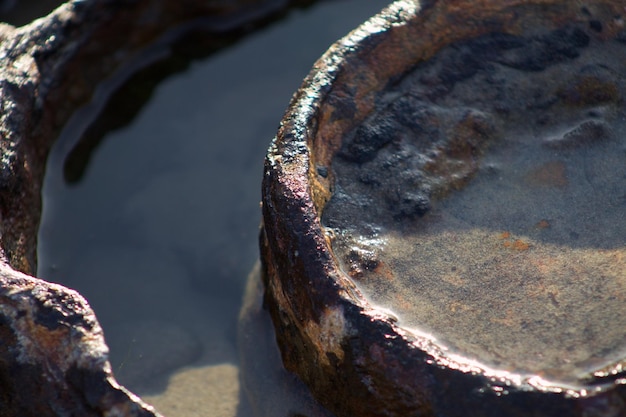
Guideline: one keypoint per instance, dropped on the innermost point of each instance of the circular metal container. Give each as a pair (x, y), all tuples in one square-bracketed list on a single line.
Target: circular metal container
[(380, 172)]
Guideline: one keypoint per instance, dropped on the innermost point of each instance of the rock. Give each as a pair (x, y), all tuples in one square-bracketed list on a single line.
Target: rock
[(53, 344)]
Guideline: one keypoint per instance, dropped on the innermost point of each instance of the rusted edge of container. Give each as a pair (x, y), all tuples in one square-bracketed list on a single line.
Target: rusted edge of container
[(353, 356)]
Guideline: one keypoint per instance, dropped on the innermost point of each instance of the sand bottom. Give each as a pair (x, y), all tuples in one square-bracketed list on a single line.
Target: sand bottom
[(187, 393)]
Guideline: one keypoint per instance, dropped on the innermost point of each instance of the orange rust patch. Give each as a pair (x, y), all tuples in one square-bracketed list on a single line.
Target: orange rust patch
[(589, 90), (543, 224), (384, 270), (520, 245), (517, 244)]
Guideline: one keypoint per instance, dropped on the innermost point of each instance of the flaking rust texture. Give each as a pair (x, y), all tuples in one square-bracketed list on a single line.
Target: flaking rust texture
[(53, 357), (372, 366)]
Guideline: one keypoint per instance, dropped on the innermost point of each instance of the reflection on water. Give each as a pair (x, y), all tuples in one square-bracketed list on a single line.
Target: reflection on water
[(161, 232)]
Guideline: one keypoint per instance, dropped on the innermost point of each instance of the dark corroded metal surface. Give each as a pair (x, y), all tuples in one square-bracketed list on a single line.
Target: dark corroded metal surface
[(53, 358), (355, 357)]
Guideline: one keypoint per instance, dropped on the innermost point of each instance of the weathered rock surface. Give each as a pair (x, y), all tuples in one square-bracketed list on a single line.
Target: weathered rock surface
[(355, 357), (53, 358)]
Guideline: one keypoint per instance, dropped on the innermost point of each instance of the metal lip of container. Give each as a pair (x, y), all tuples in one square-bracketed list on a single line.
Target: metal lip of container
[(356, 357)]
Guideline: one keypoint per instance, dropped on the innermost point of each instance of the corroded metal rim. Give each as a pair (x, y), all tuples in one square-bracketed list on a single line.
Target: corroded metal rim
[(354, 357)]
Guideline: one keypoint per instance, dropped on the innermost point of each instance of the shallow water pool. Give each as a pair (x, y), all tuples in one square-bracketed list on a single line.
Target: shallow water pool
[(158, 226)]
